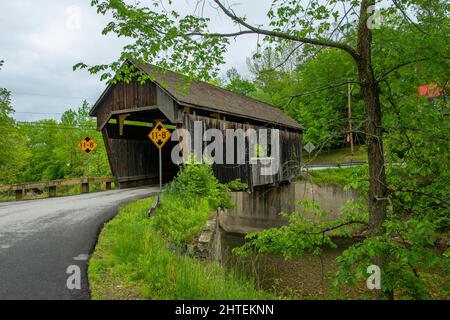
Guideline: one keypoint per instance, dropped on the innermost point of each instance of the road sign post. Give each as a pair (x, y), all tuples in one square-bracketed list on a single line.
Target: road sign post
[(87, 145), (309, 147), (160, 170), (159, 136)]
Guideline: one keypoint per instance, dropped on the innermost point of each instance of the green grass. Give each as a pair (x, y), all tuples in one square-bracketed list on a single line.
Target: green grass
[(341, 176), (135, 260), (343, 155)]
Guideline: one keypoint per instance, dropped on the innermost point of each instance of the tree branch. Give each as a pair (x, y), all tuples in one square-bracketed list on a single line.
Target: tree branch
[(226, 35), (337, 227), (331, 86), (400, 66), (288, 56), (407, 17), (287, 36), (403, 65), (429, 195)]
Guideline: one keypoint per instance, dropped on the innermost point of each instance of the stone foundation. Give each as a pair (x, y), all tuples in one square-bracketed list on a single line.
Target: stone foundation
[(260, 209), (208, 245)]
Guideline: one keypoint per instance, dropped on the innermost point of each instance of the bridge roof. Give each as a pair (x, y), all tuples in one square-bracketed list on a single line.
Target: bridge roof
[(202, 95)]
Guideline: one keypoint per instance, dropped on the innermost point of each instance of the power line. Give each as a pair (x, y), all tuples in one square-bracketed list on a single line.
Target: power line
[(50, 96), (41, 125), (32, 112), (46, 127), (59, 127)]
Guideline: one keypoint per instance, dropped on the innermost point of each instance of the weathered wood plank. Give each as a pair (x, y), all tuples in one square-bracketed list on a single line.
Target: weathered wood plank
[(247, 172)]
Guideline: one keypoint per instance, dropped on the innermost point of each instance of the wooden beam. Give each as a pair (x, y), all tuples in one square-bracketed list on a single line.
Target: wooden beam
[(19, 194), (131, 110), (85, 188), (50, 183), (111, 160), (20, 189), (215, 115), (123, 111), (258, 120), (121, 119), (135, 178), (52, 191)]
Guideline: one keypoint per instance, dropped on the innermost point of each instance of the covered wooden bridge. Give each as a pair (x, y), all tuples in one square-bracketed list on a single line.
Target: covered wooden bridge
[(126, 112)]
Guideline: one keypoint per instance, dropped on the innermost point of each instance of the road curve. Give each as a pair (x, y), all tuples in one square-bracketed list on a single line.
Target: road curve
[(40, 239)]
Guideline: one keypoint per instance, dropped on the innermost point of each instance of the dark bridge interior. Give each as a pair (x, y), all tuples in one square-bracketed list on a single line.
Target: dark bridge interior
[(133, 157)]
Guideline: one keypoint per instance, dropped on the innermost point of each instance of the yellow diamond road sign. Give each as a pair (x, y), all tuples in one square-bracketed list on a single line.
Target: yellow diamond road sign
[(87, 145), (159, 135)]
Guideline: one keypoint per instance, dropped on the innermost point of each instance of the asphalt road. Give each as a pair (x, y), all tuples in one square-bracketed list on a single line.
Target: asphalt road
[(40, 239)]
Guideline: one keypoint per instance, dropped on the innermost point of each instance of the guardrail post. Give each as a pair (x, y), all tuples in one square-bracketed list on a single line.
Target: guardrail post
[(108, 185), (85, 187), (19, 194), (52, 191)]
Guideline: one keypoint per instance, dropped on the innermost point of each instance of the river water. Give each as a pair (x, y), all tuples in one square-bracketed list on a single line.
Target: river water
[(298, 278)]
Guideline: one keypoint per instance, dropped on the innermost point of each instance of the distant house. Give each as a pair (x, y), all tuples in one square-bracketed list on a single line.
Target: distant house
[(432, 91), (134, 159)]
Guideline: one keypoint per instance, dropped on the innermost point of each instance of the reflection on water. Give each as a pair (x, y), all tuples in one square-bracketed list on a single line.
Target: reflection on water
[(298, 278)]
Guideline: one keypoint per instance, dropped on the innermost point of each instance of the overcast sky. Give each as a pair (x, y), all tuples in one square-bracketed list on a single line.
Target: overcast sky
[(42, 40)]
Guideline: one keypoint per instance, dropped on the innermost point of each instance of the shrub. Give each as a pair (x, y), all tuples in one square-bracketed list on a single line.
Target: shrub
[(188, 203), (180, 223), (237, 185), (197, 180)]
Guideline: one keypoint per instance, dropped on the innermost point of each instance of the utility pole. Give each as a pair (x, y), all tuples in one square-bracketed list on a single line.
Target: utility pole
[(350, 118)]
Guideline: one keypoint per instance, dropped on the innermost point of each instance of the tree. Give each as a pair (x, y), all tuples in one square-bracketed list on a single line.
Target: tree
[(236, 83), (82, 125), (47, 149), (53, 147), (186, 44), (314, 92), (13, 154), (417, 131)]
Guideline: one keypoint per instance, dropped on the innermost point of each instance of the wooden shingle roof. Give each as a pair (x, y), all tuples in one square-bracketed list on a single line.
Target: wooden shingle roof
[(206, 96), (202, 95)]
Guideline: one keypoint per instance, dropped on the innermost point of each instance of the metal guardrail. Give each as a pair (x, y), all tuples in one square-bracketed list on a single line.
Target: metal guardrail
[(20, 188), (333, 166), (344, 165)]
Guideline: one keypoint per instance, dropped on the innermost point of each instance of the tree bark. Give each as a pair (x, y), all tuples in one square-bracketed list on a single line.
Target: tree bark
[(377, 197)]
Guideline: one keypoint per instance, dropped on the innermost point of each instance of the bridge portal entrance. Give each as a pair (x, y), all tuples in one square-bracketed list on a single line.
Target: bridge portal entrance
[(133, 158)]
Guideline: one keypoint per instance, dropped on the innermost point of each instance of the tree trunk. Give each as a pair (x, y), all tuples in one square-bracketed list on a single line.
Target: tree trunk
[(377, 190)]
